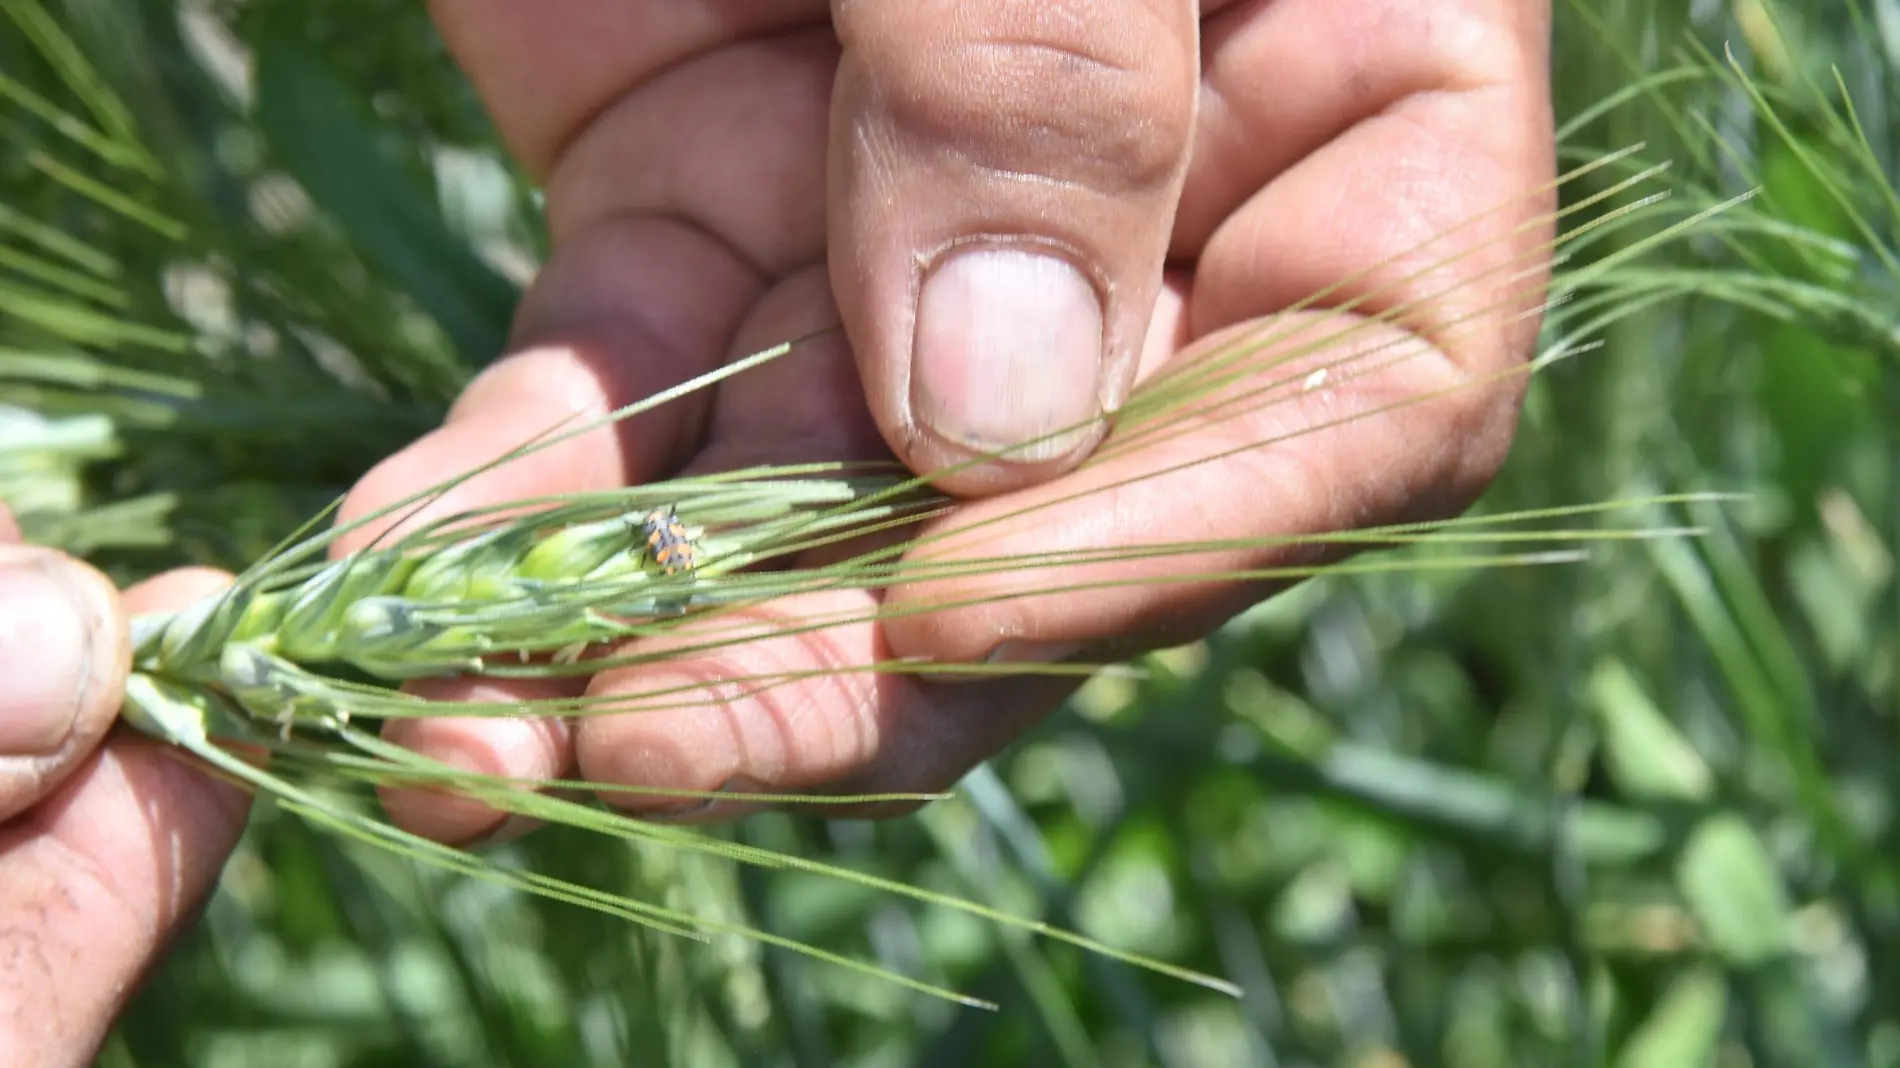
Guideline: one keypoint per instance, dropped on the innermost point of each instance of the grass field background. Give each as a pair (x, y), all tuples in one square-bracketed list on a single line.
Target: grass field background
[(1638, 811)]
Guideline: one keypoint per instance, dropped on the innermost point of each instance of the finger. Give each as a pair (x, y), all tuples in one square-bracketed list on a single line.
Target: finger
[(93, 883), (1358, 208), (639, 117), (778, 708), (546, 71), (663, 110), (96, 878), (1299, 465), (803, 407), (524, 748), (64, 652), (713, 733), (619, 314), (174, 589), (732, 142), (1004, 181), (1444, 128), (1281, 80)]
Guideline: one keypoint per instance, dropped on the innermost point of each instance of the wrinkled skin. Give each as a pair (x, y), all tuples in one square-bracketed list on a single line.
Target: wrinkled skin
[(1018, 211)]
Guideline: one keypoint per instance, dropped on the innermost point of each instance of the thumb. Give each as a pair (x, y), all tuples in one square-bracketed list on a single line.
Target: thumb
[(1004, 180), (63, 658)]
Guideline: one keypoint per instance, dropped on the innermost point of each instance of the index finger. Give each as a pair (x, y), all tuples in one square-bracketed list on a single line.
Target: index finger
[(97, 877), (1422, 204)]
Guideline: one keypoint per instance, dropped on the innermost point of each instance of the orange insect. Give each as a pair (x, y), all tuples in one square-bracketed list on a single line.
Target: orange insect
[(668, 543)]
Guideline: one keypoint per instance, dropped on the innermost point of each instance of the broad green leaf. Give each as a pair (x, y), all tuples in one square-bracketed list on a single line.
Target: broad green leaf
[(1735, 892), (1647, 755), (1684, 1028)]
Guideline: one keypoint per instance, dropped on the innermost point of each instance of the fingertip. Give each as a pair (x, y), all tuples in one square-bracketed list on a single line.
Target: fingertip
[(775, 704), (537, 395), (477, 746), (697, 746), (174, 589), (796, 714), (525, 748), (622, 312), (1002, 196), (64, 654)]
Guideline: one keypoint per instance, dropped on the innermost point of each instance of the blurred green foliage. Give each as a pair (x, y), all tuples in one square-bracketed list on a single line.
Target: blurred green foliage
[(1635, 813)]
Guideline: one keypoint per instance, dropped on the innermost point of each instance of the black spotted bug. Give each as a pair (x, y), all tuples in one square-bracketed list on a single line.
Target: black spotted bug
[(668, 542)]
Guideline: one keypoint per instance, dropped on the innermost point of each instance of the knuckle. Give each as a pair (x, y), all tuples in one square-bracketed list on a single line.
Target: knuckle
[(1500, 42), (1038, 95), (1466, 44)]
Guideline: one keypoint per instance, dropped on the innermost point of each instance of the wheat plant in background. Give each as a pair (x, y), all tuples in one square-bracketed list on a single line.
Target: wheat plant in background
[(1434, 806)]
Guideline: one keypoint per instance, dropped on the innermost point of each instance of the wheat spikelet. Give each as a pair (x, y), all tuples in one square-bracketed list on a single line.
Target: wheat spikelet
[(460, 592)]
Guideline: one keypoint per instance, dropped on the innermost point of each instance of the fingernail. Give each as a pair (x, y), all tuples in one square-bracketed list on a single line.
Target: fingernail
[(1022, 652), (715, 808), (509, 830), (1013, 652), (1008, 350), (45, 653)]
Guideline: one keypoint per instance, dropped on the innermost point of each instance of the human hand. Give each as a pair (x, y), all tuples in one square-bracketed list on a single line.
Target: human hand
[(108, 842), (1018, 210)]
